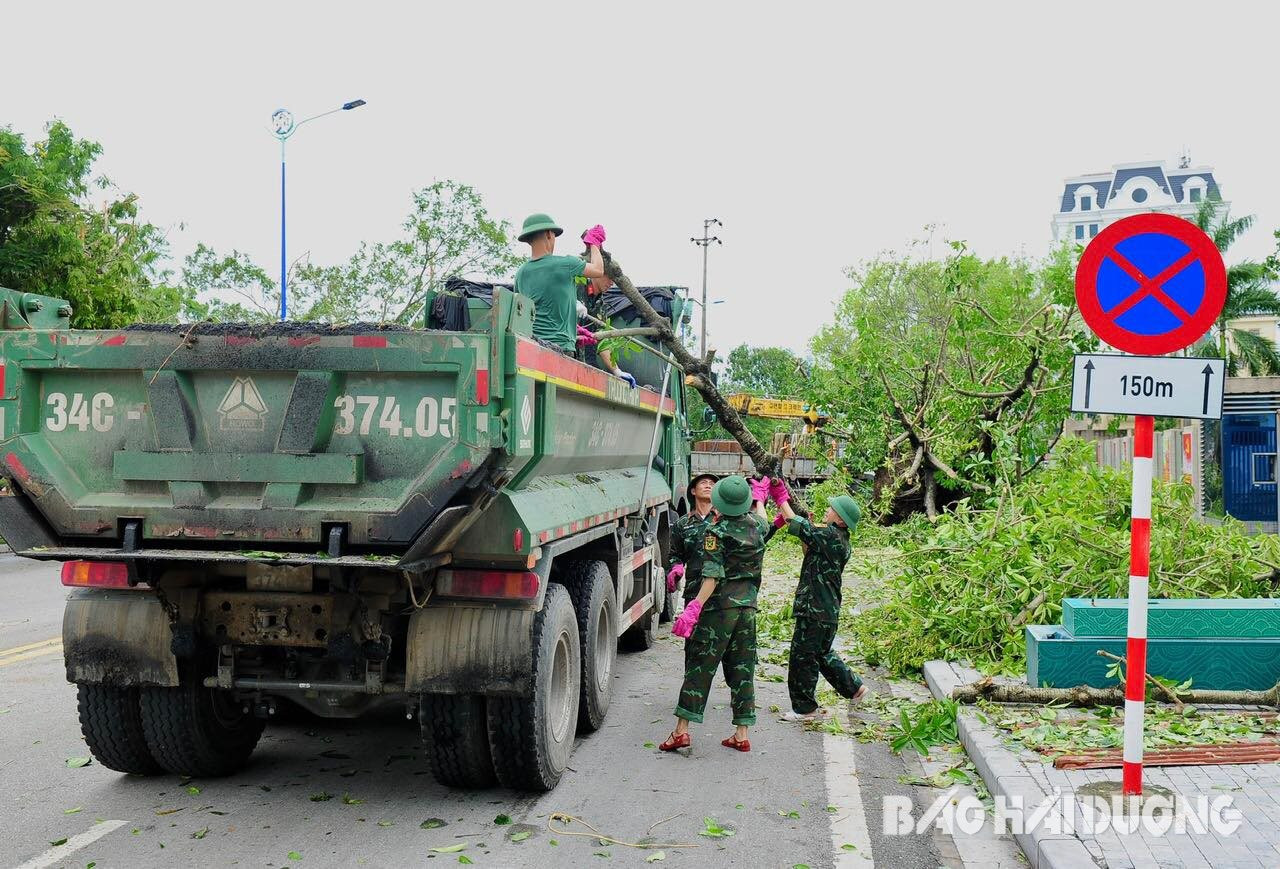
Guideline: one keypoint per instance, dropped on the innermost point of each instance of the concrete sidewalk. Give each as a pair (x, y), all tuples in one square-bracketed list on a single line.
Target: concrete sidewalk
[(1253, 790)]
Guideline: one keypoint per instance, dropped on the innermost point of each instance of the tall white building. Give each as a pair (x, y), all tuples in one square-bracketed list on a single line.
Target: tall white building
[(1090, 202)]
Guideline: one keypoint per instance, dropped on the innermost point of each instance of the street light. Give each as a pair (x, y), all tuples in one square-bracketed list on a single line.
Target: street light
[(283, 126)]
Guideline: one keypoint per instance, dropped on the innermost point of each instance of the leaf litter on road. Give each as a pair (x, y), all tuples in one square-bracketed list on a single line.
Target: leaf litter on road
[(77, 762)]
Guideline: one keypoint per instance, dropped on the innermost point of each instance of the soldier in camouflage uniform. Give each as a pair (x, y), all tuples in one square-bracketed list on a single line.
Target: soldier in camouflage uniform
[(817, 605), (687, 536), (733, 554)]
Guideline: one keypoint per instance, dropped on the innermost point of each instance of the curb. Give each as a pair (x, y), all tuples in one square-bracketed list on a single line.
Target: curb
[(1005, 775)]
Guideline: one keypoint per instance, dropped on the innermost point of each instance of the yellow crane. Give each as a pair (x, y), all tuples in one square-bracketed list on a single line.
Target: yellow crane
[(779, 408)]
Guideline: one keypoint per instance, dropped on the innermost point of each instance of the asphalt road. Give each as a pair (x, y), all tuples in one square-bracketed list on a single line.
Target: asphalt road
[(334, 793)]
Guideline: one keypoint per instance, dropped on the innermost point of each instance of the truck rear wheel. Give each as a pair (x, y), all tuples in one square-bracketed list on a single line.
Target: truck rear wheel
[(591, 586), (456, 739), (198, 731), (111, 721), (531, 737)]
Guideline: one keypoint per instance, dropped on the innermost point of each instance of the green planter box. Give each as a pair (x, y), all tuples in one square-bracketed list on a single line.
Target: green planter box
[(1057, 659), (1250, 618)]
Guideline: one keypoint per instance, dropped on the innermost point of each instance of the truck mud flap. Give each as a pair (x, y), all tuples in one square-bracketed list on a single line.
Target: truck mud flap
[(117, 638), (470, 650)]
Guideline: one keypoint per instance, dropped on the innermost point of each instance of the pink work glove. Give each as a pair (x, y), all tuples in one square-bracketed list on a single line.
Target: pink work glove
[(779, 521), (673, 576), (594, 235), (779, 492), (760, 489), (684, 624), (586, 337)]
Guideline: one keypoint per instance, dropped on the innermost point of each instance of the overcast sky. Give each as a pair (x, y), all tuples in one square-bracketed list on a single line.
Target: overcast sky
[(820, 134)]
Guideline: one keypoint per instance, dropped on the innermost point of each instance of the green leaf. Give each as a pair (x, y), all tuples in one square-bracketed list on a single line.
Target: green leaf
[(57, 842), (502, 820), (451, 849), (193, 790), (433, 823), (552, 842), (386, 823), (650, 745), (520, 836), (348, 800), (77, 762), (847, 847), (656, 856), (74, 811), (322, 797), (200, 833), (295, 856), (464, 859)]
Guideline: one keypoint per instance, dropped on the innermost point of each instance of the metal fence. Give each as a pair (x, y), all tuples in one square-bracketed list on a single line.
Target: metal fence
[(1177, 456)]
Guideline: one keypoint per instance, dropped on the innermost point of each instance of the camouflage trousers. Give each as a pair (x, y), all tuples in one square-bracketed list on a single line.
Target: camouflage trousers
[(725, 637), (811, 654)]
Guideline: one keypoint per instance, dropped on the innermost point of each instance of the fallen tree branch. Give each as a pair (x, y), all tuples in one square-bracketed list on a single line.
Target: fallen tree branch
[(1083, 695), (1151, 680), (765, 462)]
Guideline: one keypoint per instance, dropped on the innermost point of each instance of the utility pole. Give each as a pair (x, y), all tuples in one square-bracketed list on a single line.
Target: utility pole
[(704, 243)]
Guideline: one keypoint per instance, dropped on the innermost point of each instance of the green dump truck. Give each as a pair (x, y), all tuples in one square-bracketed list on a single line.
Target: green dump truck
[(464, 523)]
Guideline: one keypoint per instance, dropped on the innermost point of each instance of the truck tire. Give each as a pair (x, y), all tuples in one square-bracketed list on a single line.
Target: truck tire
[(531, 738), (670, 605), (641, 636), (111, 721), (590, 585), (456, 739), (198, 731)]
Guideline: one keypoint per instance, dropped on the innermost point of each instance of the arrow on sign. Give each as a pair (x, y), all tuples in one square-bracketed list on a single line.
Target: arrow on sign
[(1208, 372), (1088, 382)]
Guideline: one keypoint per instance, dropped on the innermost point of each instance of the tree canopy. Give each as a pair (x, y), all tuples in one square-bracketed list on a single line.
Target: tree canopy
[(55, 241)]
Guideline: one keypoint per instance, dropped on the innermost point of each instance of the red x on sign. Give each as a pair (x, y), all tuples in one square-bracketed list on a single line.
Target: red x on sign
[(1151, 284)]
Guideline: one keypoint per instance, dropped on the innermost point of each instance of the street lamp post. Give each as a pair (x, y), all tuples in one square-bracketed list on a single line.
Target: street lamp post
[(283, 125), (704, 243)]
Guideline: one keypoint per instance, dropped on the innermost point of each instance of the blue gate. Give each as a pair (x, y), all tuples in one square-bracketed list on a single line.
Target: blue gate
[(1249, 466)]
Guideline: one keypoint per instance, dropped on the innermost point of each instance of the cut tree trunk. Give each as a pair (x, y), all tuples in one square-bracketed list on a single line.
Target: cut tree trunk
[(699, 370), (989, 689)]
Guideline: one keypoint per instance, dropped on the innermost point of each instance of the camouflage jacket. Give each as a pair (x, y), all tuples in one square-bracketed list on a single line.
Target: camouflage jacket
[(732, 555), (686, 548), (827, 552)]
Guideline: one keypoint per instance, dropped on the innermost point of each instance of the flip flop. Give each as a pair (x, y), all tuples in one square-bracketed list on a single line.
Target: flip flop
[(739, 744), (675, 741)]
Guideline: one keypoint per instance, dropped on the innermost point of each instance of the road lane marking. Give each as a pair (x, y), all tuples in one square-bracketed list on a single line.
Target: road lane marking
[(16, 649), (850, 827), (35, 653), (58, 853)]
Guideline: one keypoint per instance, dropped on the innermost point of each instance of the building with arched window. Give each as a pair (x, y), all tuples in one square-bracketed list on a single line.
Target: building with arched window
[(1090, 202)]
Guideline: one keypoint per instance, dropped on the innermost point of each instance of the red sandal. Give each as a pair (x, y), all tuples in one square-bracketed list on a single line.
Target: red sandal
[(675, 741), (739, 744)]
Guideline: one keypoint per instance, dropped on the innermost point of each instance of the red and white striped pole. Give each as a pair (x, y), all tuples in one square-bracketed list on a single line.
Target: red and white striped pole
[(1139, 583)]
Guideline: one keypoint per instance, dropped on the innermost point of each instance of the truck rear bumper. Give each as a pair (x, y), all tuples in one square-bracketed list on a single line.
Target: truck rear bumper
[(470, 649), (117, 638)]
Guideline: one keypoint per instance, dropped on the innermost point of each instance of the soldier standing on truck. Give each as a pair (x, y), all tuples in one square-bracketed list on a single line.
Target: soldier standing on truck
[(548, 280), (732, 557), (817, 604), (687, 536)]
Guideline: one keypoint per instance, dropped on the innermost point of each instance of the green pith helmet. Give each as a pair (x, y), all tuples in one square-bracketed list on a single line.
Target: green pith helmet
[(731, 496), (538, 223), (699, 478), (847, 509)]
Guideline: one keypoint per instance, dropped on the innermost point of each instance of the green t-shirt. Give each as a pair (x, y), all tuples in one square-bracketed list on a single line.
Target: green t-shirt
[(548, 281)]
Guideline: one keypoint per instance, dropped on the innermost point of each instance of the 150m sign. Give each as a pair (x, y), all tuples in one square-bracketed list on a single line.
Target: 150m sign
[(1188, 387)]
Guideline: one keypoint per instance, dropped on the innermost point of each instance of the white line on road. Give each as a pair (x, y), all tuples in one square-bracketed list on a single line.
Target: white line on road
[(849, 827), (58, 853)]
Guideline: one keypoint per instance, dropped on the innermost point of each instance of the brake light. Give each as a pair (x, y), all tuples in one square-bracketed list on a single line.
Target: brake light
[(496, 584), (95, 574)]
